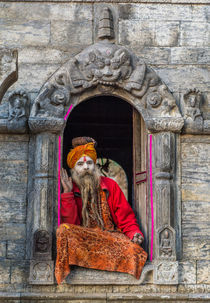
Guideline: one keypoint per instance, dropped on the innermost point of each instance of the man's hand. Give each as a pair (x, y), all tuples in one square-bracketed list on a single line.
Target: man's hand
[(66, 181), (137, 238)]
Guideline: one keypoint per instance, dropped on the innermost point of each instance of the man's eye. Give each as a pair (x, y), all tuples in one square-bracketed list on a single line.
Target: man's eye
[(79, 163), (89, 162)]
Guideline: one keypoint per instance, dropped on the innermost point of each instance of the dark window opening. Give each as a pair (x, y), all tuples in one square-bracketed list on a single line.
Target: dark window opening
[(109, 120)]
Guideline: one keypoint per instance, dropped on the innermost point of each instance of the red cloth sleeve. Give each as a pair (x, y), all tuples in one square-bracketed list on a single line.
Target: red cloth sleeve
[(125, 216), (69, 209)]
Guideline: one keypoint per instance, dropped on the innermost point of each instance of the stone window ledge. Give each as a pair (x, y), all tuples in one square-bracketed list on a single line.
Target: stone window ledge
[(83, 276)]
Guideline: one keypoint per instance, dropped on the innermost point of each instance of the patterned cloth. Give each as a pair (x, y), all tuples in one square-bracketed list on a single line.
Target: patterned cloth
[(92, 247)]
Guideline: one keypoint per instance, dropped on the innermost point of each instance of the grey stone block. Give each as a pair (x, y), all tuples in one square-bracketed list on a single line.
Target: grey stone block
[(194, 34), (193, 76), (166, 33), (196, 214), (4, 271), (187, 272), (203, 272), (19, 272), (14, 151), (153, 11), (154, 55), (187, 55), (24, 11), (13, 172), (36, 75), (195, 192), (41, 55), (196, 249), (67, 33), (12, 231), (14, 33), (196, 151), (12, 212), (71, 12), (195, 172), (16, 250), (136, 33), (3, 249)]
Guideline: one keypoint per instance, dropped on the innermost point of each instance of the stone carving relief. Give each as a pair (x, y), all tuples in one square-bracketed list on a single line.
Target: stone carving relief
[(51, 102), (42, 245), (109, 67), (42, 272), (166, 239), (18, 111), (192, 114), (166, 273), (106, 24)]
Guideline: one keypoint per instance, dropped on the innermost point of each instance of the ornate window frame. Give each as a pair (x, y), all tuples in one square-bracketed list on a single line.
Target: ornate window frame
[(105, 68)]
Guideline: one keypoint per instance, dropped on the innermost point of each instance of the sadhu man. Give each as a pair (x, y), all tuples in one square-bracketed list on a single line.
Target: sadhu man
[(99, 229)]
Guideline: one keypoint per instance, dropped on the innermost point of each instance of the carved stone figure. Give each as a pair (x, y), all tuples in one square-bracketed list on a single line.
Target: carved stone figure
[(192, 101), (192, 114), (17, 104), (165, 248), (51, 102), (41, 242), (166, 240), (17, 120)]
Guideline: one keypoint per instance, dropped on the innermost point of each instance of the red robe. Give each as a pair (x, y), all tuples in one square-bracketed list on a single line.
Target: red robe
[(121, 211)]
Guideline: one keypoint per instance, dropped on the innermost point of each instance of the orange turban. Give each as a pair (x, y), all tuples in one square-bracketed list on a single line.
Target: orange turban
[(82, 150)]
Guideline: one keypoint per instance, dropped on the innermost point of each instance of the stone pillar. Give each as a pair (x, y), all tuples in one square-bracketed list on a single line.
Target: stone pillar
[(165, 249), (43, 199)]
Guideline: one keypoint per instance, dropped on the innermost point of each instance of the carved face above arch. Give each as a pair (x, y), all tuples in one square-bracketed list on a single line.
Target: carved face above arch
[(107, 67)]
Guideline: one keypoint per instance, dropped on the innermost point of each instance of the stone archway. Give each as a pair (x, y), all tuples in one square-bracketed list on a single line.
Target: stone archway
[(106, 68)]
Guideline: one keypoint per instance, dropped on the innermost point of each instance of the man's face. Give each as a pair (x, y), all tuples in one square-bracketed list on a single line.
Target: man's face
[(84, 165)]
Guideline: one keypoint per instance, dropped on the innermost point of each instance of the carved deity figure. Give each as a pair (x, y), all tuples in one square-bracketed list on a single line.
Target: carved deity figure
[(41, 241), (17, 103), (165, 246), (99, 229), (192, 101)]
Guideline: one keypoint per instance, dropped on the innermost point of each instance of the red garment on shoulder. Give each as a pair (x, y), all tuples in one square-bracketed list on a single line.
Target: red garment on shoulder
[(121, 211)]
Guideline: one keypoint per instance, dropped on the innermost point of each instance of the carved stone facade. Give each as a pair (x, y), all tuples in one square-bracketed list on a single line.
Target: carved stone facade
[(107, 67)]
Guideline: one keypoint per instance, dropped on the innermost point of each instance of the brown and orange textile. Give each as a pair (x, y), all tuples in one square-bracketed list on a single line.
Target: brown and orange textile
[(92, 247)]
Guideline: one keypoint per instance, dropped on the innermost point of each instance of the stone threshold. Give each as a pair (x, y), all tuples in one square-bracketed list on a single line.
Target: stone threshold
[(107, 297)]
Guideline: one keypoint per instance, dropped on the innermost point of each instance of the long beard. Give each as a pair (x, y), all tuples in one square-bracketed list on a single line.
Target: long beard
[(89, 185)]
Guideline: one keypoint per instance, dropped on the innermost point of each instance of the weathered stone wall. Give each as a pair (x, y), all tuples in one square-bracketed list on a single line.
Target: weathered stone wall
[(174, 40)]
